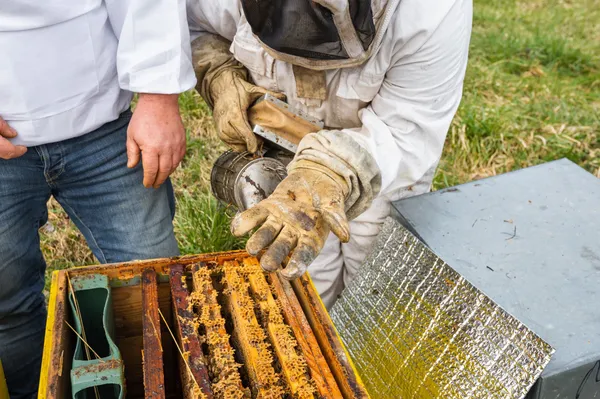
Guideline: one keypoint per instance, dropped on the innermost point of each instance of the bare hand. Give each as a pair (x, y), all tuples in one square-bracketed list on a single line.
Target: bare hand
[(156, 133), (7, 149)]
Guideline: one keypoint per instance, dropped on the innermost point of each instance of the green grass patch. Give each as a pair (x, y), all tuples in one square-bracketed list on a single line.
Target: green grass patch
[(202, 225)]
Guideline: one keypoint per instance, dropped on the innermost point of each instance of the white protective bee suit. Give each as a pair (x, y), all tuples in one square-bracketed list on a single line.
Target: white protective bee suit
[(392, 81)]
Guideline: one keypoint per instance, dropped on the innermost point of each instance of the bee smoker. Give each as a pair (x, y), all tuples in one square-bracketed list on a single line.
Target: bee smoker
[(245, 179)]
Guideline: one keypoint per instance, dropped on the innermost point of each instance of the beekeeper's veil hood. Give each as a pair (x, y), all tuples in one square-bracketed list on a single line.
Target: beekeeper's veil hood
[(319, 34)]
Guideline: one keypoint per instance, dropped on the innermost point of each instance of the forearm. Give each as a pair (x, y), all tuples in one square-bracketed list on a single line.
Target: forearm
[(343, 156), (407, 150), (169, 100)]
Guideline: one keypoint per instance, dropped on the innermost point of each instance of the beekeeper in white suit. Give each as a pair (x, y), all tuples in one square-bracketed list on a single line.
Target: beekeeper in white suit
[(386, 77), (68, 70)]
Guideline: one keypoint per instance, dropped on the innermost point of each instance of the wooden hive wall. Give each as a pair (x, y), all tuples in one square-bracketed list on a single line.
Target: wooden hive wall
[(209, 326)]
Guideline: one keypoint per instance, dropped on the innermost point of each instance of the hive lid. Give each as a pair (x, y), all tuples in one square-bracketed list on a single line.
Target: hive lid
[(529, 240)]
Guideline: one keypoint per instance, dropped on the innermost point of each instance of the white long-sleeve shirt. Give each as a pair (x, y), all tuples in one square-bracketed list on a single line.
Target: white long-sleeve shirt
[(69, 66), (398, 104)]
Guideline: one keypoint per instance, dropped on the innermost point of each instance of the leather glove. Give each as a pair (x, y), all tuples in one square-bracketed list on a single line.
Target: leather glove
[(223, 83), (296, 218), (233, 96)]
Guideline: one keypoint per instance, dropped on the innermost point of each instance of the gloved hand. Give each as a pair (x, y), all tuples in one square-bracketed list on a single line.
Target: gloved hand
[(223, 82), (233, 96), (297, 218)]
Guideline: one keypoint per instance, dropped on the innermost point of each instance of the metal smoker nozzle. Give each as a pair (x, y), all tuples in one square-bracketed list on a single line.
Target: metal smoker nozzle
[(245, 179)]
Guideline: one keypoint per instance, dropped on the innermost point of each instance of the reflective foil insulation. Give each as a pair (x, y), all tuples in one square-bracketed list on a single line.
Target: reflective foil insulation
[(415, 328)]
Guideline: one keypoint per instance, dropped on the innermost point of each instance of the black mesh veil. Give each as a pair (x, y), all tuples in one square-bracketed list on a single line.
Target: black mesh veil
[(304, 28), (362, 18)]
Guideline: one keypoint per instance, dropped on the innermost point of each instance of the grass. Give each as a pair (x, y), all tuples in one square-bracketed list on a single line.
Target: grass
[(531, 95)]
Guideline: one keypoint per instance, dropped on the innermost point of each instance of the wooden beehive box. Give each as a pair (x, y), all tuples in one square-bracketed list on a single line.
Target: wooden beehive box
[(279, 340)]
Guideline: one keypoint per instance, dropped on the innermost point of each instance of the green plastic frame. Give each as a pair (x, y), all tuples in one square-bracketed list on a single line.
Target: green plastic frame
[(106, 373)]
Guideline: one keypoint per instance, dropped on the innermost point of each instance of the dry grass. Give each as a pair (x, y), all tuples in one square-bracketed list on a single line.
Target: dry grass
[(532, 94)]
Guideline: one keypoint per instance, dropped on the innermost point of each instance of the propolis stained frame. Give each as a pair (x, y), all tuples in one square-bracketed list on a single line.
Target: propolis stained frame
[(126, 279), (153, 364), (193, 370)]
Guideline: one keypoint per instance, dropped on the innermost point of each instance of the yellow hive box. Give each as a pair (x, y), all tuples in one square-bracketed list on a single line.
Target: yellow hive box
[(206, 326), (3, 388)]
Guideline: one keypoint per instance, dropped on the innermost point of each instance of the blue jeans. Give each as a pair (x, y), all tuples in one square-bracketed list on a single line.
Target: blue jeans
[(120, 219)]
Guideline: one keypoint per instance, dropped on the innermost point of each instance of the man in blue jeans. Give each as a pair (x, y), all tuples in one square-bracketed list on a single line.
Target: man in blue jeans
[(67, 73)]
